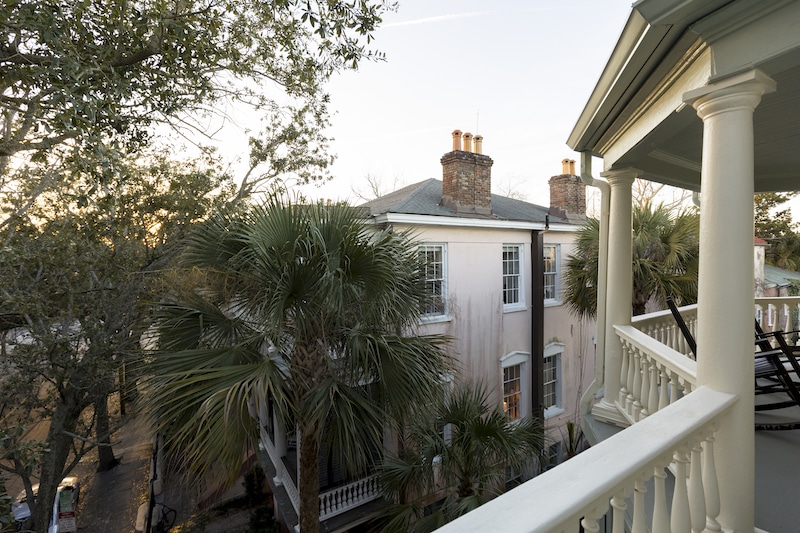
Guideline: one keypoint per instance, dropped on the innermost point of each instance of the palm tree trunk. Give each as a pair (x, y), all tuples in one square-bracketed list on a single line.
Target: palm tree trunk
[(309, 478), (308, 366)]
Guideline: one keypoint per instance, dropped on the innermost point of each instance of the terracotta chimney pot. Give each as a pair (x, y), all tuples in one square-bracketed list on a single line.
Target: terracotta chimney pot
[(468, 142), (479, 144), (565, 166), (456, 140), (572, 167)]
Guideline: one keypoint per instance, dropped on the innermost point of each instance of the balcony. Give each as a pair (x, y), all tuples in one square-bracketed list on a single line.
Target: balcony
[(334, 502), (659, 474)]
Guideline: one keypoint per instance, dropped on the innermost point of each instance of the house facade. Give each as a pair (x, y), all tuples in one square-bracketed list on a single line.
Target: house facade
[(699, 94), (495, 264)]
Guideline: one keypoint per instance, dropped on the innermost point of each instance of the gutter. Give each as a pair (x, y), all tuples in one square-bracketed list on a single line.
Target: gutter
[(588, 397)]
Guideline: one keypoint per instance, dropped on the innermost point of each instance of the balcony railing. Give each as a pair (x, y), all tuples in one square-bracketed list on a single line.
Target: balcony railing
[(331, 502), (579, 492), (662, 327), (672, 426), (342, 499), (652, 376)]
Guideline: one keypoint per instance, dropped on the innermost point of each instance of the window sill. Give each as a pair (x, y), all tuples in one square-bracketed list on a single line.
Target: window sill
[(434, 319), (552, 303), (551, 412), (514, 308)]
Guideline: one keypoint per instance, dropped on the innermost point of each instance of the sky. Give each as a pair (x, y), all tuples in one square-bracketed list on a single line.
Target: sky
[(517, 72)]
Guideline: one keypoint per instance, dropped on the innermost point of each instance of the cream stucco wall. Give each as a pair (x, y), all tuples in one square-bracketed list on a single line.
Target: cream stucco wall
[(483, 332)]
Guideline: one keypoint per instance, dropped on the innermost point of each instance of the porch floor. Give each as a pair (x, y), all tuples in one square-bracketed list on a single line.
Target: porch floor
[(778, 475)]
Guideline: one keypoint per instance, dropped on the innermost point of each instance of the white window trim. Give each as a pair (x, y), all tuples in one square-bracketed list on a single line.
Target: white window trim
[(556, 349), (444, 316), (520, 305), (512, 359), (558, 299)]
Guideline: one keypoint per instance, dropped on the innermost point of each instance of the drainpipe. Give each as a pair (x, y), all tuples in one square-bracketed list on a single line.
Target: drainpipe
[(605, 202)]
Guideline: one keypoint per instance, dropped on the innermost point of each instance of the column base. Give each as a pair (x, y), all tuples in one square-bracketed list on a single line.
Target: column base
[(610, 414)]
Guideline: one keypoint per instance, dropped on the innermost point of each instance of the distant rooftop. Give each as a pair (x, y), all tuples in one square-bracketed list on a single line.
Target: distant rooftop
[(425, 198)]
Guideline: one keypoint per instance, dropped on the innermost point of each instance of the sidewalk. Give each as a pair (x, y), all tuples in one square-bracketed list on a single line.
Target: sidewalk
[(109, 500)]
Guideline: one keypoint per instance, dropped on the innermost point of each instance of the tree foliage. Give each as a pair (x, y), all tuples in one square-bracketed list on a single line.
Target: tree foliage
[(309, 305), (74, 274), (88, 70), (665, 260), (458, 450), (85, 80), (775, 226)]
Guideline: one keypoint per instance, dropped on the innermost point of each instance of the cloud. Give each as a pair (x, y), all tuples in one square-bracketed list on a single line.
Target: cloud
[(438, 18)]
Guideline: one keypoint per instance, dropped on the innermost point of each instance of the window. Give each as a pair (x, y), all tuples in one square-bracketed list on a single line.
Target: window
[(515, 384), (552, 283), (433, 258), (551, 370), (513, 295), (512, 390)]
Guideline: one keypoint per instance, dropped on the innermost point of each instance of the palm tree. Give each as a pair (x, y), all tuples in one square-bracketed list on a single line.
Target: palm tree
[(665, 260), (459, 450), (309, 304)]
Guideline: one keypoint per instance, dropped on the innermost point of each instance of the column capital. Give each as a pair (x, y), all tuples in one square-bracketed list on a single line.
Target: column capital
[(621, 176), (742, 91)]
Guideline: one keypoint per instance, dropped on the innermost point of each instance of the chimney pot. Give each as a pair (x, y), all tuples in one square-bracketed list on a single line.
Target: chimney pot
[(572, 167), (456, 140), (467, 177), (468, 142), (479, 144), (565, 166)]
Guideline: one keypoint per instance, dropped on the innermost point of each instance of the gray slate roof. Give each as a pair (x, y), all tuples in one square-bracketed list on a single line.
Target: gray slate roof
[(425, 198)]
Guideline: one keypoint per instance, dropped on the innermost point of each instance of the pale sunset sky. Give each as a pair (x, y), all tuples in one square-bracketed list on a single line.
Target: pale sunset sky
[(517, 72)]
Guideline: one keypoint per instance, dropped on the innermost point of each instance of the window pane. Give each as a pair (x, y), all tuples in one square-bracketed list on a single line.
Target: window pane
[(433, 258), (550, 371), (511, 274), (550, 265), (512, 393)]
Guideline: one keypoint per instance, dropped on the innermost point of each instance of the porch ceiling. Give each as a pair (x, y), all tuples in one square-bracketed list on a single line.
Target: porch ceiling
[(732, 36), (672, 152)]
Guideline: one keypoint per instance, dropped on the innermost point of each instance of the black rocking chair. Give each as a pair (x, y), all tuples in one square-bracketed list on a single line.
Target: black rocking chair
[(775, 370)]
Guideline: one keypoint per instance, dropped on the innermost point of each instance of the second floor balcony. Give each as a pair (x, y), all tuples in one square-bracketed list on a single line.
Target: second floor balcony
[(661, 472)]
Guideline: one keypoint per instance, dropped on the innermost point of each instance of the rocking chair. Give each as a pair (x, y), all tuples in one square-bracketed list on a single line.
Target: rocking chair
[(771, 373)]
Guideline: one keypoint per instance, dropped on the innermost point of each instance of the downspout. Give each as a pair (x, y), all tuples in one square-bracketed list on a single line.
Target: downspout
[(537, 321), (588, 397)]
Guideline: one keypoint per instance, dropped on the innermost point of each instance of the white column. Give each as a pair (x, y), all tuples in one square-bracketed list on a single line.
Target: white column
[(619, 289), (725, 298)]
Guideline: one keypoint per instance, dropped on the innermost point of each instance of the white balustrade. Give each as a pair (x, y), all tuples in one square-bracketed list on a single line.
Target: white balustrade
[(662, 327), (613, 474), (778, 313), (346, 497), (656, 374)]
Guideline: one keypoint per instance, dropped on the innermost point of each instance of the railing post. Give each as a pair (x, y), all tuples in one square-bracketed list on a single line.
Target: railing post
[(618, 507), (660, 513), (697, 495), (679, 517)]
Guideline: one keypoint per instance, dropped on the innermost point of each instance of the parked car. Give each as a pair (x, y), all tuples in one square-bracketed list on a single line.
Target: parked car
[(66, 501)]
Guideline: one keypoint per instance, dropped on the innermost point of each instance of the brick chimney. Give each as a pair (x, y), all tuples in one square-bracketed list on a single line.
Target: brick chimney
[(567, 192), (467, 177)]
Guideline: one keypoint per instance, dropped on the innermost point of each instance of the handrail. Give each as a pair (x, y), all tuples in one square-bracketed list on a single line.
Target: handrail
[(661, 326), (581, 489)]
